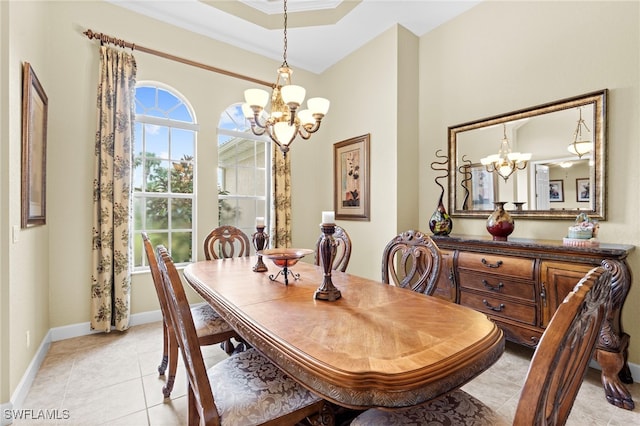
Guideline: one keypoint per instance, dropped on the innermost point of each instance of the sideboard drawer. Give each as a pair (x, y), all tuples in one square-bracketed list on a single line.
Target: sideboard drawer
[(495, 285), (496, 306), (495, 264)]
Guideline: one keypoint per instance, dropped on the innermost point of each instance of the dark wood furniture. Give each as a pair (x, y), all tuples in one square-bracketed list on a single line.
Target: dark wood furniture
[(248, 389), (557, 369), (226, 241), (343, 249), (378, 345), (521, 282), (210, 328), (412, 260)]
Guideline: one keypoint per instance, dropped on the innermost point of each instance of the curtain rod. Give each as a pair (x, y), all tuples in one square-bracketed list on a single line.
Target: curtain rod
[(121, 43)]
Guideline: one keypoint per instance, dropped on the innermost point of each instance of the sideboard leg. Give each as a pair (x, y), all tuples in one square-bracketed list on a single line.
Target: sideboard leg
[(613, 343), (616, 392)]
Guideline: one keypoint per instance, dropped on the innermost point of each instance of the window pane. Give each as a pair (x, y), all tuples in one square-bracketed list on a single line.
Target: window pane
[(138, 209), (181, 113), (157, 213), (157, 140), (246, 217), (157, 175), (182, 143), (227, 211), (145, 98), (181, 247), (182, 177), (181, 213)]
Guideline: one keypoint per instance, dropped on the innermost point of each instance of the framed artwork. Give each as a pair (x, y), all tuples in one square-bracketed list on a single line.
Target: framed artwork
[(583, 190), (34, 149), (351, 195), (556, 191)]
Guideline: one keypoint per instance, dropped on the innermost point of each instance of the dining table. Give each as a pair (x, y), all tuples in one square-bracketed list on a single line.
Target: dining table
[(378, 345)]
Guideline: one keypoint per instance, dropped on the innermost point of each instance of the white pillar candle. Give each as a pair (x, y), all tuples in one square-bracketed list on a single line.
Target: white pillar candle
[(328, 217), (259, 221)]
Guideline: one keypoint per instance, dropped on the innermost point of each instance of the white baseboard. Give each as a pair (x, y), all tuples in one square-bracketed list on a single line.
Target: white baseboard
[(53, 335)]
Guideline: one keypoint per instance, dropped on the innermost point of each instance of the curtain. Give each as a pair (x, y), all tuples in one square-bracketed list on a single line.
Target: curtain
[(111, 275), (281, 211)]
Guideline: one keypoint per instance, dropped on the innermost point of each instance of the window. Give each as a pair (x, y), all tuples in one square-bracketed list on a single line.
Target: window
[(163, 174), (244, 165)]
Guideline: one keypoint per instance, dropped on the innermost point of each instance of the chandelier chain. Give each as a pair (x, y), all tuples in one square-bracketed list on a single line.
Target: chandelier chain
[(284, 55)]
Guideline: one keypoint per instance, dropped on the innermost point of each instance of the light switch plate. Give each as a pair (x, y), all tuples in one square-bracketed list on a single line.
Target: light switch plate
[(15, 230)]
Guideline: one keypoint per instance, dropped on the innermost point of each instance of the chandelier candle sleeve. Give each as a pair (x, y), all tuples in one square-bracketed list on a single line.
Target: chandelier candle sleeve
[(328, 217), (260, 221)]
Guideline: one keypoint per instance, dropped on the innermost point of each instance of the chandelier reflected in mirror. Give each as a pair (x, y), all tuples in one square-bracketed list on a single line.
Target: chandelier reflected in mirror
[(505, 162), (580, 145), (285, 121)]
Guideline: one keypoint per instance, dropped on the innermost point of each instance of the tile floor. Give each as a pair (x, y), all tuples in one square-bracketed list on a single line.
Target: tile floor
[(112, 379)]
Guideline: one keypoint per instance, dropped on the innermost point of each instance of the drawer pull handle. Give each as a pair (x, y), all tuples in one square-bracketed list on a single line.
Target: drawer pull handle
[(493, 308), (492, 288), (491, 265)]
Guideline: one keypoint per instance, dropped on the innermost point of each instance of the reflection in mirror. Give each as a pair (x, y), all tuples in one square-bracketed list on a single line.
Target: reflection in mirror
[(564, 176)]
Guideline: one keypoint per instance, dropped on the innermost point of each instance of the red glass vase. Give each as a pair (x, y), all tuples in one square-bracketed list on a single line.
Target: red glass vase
[(500, 223)]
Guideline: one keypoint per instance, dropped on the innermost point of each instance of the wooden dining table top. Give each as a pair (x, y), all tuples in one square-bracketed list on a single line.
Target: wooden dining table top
[(377, 346)]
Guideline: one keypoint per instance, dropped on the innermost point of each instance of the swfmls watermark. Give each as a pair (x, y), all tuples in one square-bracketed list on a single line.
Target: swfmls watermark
[(36, 414)]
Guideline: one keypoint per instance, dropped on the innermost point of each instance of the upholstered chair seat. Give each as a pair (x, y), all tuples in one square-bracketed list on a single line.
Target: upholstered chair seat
[(455, 409), (250, 390), (207, 321)]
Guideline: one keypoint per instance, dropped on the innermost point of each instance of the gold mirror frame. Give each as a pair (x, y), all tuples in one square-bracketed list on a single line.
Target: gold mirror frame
[(597, 205)]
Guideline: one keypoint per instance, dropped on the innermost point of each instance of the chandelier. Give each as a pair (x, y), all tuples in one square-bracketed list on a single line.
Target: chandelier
[(580, 146), (505, 162), (285, 121)]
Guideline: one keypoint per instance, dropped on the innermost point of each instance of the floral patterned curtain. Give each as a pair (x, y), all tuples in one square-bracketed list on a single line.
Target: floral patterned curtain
[(281, 209), (111, 277)]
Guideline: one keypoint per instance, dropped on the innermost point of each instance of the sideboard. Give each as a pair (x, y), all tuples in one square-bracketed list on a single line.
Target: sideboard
[(519, 283)]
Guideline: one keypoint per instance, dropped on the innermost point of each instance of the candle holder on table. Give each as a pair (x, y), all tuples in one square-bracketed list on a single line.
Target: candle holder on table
[(260, 240), (328, 248), (285, 258)]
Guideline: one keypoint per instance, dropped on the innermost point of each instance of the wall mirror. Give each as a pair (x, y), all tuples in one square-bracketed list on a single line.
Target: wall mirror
[(564, 175)]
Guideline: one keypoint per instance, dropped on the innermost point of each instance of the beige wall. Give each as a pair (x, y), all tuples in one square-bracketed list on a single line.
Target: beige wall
[(504, 56), (405, 91), (25, 280)]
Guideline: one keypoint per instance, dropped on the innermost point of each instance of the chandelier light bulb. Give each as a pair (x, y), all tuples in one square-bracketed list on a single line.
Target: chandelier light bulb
[(318, 105), (256, 97), (293, 95)]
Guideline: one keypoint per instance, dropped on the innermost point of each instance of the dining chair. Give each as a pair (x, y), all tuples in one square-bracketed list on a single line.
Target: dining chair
[(556, 371), (226, 241), (412, 260), (244, 389), (210, 328), (343, 253)]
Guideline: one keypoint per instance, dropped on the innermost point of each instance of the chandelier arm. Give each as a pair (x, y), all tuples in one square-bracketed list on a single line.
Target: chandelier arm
[(304, 134), (256, 130), (256, 122)]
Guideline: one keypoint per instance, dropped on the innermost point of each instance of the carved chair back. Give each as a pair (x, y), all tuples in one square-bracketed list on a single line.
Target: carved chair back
[(560, 361), (248, 387), (226, 241), (185, 331), (343, 250), (412, 260)]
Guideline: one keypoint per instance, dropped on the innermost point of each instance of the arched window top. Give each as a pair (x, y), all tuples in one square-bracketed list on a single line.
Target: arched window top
[(233, 119), (154, 99)]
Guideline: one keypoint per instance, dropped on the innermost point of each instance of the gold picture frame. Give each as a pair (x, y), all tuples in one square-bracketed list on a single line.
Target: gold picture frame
[(34, 149), (351, 186)]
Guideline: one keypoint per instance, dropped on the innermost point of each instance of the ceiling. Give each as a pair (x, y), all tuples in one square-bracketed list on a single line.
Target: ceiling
[(319, 32)]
